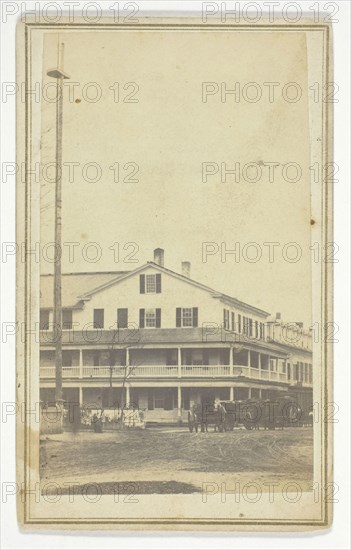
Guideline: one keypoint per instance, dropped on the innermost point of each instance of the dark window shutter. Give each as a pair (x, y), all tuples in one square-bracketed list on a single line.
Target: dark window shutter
[(44, 319), (67, 319), (150, 400), (233, 321), (158, 283), (98, 318), (141, 318), (142, 284), (158, 318), (205, 357), (122, 317), (178, 317), (195, 316)]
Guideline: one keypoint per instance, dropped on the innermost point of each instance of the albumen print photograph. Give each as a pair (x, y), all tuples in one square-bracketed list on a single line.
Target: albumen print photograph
[(177, 285)]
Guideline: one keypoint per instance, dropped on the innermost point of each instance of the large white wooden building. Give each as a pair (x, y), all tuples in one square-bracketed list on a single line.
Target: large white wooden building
[(166, 341)]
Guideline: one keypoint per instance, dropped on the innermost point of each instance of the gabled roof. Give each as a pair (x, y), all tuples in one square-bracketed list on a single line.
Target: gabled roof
[(215, 294), (79, 287)]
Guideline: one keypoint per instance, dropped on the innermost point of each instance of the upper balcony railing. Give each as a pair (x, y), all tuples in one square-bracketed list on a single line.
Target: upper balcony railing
[(168, 371)]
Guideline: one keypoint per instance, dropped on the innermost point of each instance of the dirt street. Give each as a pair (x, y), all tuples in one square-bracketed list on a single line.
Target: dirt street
[(162, 460)]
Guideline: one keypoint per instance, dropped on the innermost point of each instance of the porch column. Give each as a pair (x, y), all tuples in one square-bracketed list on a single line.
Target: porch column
[(231, 361), (179, 403), (286, 369), (260, 393), (231, 393), (249, 359), (80, 396), (250, 395), (179, 364), (127, 394), (127, 366), (259, 365), (80, 364)]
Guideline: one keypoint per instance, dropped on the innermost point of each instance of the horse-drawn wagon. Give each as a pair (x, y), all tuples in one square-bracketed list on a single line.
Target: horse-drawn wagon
[(269, 414), (253, 414)]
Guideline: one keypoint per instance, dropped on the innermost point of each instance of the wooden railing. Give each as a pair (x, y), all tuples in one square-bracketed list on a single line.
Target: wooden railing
[(168, 371)]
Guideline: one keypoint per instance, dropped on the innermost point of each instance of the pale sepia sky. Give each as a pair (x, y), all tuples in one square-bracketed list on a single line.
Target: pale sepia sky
[(169, 133)]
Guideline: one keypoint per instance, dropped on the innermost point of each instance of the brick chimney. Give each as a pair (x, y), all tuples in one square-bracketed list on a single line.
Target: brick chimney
[(159, 256), (278, 316), (186, 267)]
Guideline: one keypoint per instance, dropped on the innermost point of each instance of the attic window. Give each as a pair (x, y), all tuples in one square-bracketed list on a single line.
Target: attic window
[(150, 283)]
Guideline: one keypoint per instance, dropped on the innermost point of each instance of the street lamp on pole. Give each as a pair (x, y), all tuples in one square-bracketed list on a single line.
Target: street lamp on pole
[(60, 76)]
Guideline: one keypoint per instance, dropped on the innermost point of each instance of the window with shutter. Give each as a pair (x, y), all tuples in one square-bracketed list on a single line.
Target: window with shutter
[(152, 318), (245, 324), (141, 318), (226, 319), (150, 283), (187, 316)]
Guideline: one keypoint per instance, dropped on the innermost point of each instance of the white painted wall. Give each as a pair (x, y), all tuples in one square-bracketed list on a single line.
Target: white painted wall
[(126, 294)]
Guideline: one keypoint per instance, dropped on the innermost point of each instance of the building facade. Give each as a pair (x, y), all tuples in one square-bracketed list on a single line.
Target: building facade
[(162, 341)]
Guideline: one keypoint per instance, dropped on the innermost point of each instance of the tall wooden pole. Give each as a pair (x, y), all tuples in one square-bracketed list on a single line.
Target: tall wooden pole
[(60, 76)]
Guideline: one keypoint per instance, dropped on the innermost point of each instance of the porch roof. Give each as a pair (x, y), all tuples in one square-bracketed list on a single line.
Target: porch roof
[(140, 338)]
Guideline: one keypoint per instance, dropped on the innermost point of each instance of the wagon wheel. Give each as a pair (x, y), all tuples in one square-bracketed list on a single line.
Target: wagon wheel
[(249, 423)]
